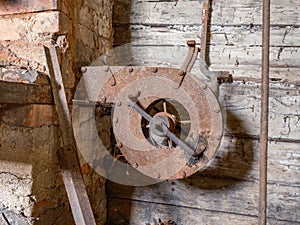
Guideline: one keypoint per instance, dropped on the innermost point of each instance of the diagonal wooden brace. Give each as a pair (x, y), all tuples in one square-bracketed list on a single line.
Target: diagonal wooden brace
[(67, 155)]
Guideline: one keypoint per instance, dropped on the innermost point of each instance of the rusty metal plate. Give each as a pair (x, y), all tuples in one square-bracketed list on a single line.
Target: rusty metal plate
[(149, 85)]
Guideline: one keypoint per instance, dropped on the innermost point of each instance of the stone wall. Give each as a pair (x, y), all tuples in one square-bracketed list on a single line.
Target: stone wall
[(31, 187)]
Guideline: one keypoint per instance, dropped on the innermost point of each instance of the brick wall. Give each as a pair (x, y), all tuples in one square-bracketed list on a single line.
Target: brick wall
[(31, 188)]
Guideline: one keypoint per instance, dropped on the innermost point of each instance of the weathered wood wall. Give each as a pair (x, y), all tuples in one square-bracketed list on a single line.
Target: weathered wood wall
[(227, 192)]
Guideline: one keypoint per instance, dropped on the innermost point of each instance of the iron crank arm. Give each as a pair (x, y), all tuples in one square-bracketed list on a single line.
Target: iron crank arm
[(164, 127)]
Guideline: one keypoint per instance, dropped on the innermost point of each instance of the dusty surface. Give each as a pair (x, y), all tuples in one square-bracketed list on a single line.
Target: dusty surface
[(31, 188), (227, 192)]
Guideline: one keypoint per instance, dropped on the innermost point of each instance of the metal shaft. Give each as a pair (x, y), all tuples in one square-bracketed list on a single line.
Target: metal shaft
[(264, 115), (165, 129)]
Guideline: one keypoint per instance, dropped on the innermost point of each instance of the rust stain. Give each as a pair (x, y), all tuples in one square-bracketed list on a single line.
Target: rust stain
[(86, 169)]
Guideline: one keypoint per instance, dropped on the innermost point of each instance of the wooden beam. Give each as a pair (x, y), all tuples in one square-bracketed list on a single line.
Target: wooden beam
[(121, 211), (19, 93), (25, 6)]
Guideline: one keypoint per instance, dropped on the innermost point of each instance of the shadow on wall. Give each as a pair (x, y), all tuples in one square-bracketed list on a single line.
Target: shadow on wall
[(122, 35), (32, 191), (229, 168), (233, 161), (121, 22)]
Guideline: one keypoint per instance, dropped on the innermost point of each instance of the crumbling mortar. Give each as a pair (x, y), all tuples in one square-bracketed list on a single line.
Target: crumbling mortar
[(14, 175), (9, 58)]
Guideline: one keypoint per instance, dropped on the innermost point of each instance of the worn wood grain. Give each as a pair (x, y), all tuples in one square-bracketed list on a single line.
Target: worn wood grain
[(232, 12), (202, 193), (225, 55), (237, 160), (122, 211), (241, 105), (19, 93), (226, 192), (241, 36), (239, 61), (230, 184)]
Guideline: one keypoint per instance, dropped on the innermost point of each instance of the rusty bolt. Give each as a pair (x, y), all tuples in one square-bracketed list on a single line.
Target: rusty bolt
[(183, 174), (135, 165), (119, 145), (130, 69), (154, 69), (181, 73), (202, 146), (203, 85), (83, 70)]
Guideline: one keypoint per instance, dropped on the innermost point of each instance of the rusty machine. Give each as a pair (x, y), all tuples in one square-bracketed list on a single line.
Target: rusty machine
[(167, 122)]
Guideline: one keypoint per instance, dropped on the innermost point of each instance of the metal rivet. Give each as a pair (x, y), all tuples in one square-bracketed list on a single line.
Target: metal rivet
[(202, 146), (181, 73), (119, 145), (130, 69), (203, 85), (154, 69), (135, 165), (183, 174), (83, 70)]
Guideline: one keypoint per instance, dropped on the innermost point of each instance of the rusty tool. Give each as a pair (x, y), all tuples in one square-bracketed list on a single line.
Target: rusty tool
[(197, 120), (67, 155), (263, 156), (214, 76)]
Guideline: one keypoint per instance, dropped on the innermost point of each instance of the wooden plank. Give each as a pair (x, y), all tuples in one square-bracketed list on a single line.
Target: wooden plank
[(232, 55), (233, 12), (221, 55), (253, 72), (237, 159), (241, 62), (31, 115), (67, 154), (19, 93), (26, 6), (241, 104), (121, 211), (238, 198), (242, 36)]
